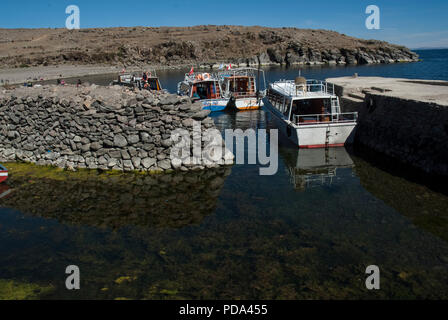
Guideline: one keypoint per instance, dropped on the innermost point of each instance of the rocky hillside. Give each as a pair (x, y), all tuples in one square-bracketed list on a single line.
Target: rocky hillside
[(203, 45)]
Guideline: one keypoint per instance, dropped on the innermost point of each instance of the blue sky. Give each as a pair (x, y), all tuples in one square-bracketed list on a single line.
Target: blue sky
[(411, 23)]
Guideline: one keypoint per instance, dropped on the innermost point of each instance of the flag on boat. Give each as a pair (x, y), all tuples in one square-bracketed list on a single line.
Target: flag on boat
[(191, 71), (229, 66)]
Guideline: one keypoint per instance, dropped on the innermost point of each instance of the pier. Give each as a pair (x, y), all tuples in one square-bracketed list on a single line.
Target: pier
[(401, 118)]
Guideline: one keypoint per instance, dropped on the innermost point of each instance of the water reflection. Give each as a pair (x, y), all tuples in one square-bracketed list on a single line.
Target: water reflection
[(113, 201), (309, 168)]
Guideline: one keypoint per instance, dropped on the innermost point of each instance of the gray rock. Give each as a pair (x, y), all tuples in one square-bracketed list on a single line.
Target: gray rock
[(120, 141), (148, 162), (133, 139), (164, 164)]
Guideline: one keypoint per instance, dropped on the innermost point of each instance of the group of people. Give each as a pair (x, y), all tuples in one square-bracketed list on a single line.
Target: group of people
[(61, 82), (144, 83)]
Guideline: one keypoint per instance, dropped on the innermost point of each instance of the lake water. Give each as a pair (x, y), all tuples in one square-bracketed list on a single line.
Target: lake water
[(308, 232)]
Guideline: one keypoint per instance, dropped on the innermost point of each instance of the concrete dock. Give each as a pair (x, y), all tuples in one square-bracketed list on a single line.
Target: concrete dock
[(401, 118), (428, 91)]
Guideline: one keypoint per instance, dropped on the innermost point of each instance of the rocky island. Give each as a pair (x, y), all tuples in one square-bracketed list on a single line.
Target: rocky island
[(199, 45)]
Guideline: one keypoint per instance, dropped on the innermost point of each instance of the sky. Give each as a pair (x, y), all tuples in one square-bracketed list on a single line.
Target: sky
[(412, 23)]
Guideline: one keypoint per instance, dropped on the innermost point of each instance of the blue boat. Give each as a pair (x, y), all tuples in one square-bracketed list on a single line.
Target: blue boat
[(204, 87)]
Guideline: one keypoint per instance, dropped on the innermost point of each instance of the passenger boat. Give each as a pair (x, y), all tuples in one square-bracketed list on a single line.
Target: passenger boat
[(241, 86), (148, 80), (3, 174), (308, 113), (204, 87)]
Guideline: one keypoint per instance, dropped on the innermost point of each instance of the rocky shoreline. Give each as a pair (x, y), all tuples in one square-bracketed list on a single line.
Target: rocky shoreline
[(106, 128)]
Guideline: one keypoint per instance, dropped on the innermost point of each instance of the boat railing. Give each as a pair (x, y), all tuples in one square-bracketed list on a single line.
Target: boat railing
[(244, 72), (200, 76), (291, 88), (309, 119)]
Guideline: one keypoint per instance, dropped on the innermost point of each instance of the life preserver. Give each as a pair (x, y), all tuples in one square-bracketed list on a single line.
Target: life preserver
[(206, 76)]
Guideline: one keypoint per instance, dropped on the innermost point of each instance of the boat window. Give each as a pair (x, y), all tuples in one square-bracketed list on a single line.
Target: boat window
[(311, 107), (206, 90), (241, 85)]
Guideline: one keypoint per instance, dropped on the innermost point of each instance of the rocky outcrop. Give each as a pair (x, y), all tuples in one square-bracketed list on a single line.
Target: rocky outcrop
[(206, 46), (106, 128)]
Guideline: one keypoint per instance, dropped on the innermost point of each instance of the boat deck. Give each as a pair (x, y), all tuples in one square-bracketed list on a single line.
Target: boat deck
[(312, 89)]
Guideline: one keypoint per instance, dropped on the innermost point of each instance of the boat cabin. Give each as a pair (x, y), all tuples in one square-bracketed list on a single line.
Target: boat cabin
[(200, 86), (309, 102), (240, 83)]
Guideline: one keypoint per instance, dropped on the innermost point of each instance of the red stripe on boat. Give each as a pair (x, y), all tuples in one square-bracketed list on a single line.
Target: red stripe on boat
[(315, 146), (3, 174)]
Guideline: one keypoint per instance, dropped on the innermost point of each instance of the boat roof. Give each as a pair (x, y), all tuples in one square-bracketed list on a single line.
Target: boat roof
[(192, 78), (241, 72), (313, 89)]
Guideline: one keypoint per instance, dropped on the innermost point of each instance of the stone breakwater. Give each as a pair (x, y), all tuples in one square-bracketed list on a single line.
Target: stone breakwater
[(106, 128)]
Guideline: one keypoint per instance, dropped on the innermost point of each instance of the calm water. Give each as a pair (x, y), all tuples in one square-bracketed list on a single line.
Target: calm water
[(308, 232)]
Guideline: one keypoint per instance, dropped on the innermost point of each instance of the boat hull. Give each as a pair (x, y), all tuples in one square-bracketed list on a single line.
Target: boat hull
[(248, 103), (323, 135), (3, 176), (214, 104)]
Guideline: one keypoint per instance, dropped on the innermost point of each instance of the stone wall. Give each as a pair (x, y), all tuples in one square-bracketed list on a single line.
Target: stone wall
[(415, 133), (107, 128)]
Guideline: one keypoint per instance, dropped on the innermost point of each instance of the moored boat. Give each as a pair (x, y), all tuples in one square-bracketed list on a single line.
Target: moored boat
[(3, 173), (241, 86), (148, 81), (308, 113), (204, 87)]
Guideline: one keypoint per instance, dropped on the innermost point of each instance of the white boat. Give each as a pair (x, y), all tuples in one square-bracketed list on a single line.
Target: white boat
[(309, 114), (241, 86)]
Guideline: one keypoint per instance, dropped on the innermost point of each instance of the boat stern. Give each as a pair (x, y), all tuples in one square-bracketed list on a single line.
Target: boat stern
[(3, 174)]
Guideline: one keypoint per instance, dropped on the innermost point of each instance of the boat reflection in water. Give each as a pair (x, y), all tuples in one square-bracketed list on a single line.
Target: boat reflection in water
[(309, 168)]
